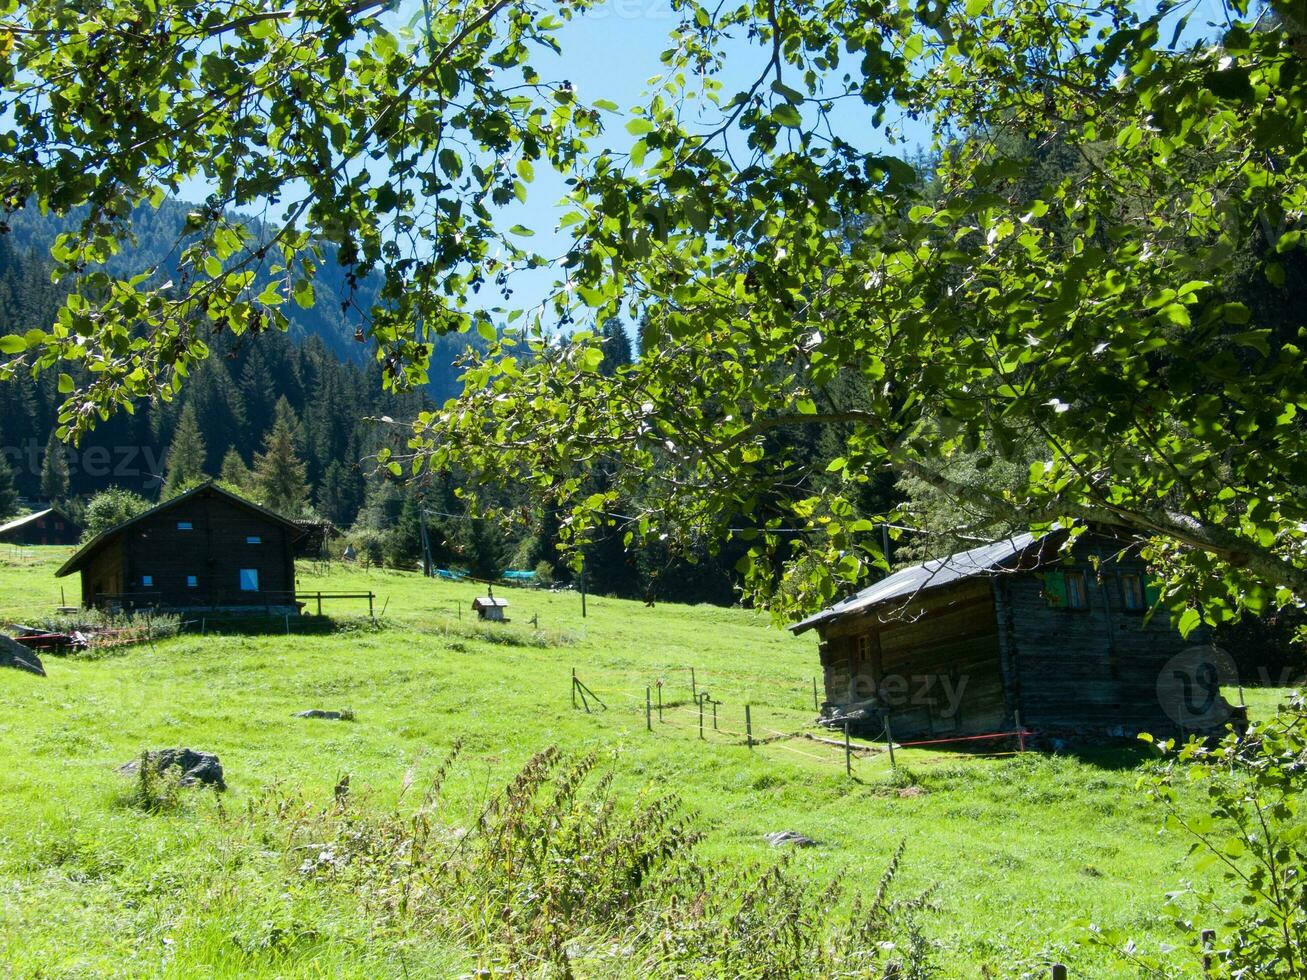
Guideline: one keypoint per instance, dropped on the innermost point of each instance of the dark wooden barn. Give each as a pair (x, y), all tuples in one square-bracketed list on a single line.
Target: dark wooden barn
[(1065, 641), (50, 526), (203, 549)]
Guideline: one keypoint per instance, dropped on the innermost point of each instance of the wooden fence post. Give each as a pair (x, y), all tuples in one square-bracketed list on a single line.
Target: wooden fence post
[(889, 740), (714, 716), (748, 726), (573, 688), (700, 700), (815, 705), (648, 710), (694, 687), (1059, 972), (1021, 732), (848, 752), (660, 699)]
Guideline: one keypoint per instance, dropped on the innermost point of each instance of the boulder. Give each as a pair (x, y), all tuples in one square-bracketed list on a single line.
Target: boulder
[(197, 768), (14, 654), (328, 715), (780, 838)]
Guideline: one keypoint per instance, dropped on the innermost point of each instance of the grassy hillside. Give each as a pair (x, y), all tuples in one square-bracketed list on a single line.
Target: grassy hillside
[(1018, 847)]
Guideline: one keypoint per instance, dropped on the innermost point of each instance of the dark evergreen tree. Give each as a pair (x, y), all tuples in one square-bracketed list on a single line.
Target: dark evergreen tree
[(186, 455), (8, 490), (234, 473), (279, 478), (54, 470)]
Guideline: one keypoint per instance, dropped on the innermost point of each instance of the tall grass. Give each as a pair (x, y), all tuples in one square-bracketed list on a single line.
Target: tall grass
[(556, 876)]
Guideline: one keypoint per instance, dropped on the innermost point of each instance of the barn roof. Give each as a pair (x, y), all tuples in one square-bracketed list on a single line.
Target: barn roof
[(89, 550), (935, 573), (20, 521)]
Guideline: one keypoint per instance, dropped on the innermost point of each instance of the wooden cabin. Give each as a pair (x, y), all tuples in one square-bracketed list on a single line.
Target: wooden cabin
[(1068, 642), (50, 526), (204, 549)]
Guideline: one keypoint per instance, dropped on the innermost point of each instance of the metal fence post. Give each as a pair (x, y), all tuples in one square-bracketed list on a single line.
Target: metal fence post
[(748, 726), (700, 717), (815, 705), (573, 688), (889, 740), (648, 710)]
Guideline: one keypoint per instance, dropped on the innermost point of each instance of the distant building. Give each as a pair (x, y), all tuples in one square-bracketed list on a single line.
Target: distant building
[(50, 526), (491, 608), (204, 549), (966, 644)]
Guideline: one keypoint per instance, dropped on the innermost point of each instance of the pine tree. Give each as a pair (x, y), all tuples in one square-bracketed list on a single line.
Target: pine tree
[(235, 474), (186, 455), (8, 490), (616, 346), (338, 496), (54, 471), (279, 476)]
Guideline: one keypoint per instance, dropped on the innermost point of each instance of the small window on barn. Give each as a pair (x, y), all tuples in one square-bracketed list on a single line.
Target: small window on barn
[(249, 580), (58, 525), (1077, 591), (185, 526), (254, 539), (192, 581), (864, 649), (147, 581), (1132, 592)]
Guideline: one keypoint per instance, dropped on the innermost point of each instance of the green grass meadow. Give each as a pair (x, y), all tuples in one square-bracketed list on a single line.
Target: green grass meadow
[(1020, 847)]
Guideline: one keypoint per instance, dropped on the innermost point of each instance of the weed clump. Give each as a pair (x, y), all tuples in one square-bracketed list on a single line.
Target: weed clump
[(555, 872)]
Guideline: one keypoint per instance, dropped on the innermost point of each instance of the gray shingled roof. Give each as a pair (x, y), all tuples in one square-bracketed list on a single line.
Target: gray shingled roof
[(928, 575)]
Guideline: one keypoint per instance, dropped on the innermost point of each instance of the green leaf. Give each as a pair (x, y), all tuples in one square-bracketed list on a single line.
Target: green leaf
[(212, 267), (1232, 83), (12, 344), (304, 295), (591, 358), (1189, 620), (787, 115), (65, 384), (639, 126), (487, 330)]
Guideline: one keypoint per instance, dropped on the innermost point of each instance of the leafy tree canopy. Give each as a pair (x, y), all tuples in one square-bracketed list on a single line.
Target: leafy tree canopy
[(769, 254)]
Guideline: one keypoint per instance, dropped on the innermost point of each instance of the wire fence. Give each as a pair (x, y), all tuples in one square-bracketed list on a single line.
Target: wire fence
[(767, 725)]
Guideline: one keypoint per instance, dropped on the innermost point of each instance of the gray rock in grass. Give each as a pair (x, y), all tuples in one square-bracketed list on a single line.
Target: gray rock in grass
[(14, 654), (780, 838), (327, 715), (197, 768)]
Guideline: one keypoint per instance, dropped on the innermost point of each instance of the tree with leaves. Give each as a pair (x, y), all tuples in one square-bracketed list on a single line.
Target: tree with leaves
[(186, 455), (110, 508), (1105, 315)]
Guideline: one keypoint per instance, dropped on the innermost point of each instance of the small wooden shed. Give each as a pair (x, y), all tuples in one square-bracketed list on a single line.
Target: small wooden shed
[(1066, 640), (49, 526), (204, 549), (491, 608)]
